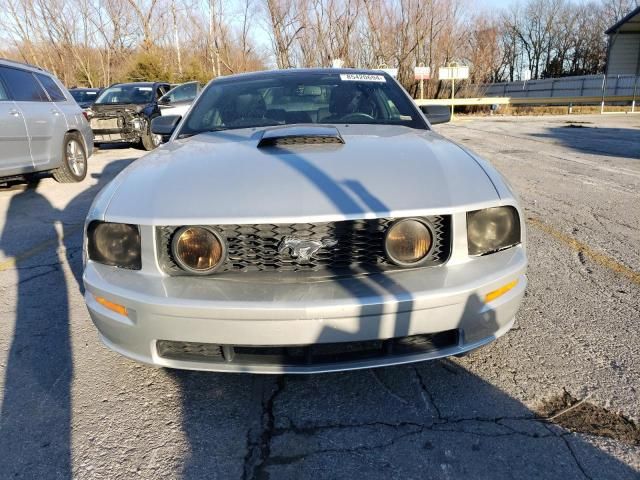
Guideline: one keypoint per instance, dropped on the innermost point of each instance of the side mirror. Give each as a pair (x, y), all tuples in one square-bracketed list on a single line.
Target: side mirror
[(437, 113), (165, 126), (163, 101)]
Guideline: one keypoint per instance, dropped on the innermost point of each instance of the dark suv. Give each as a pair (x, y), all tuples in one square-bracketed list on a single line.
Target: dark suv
[(123, 113), (85, 96)]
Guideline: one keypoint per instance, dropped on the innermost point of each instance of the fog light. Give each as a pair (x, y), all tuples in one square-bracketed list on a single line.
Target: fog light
[(114, 307), (489, 297), (408, 242), (198, 250)]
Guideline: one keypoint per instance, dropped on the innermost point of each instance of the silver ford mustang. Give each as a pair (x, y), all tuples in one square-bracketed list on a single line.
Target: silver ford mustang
[(303, 221)]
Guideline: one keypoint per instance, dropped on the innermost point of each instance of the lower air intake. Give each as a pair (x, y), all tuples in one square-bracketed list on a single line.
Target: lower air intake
[(316, 354)]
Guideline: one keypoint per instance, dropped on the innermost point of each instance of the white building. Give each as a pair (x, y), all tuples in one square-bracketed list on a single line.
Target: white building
[(623, 54)]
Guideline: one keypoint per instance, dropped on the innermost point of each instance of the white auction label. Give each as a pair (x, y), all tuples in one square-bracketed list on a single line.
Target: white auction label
[(362, 77)]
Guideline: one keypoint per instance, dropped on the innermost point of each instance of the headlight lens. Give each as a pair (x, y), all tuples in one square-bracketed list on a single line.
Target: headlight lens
[(408, 242), (115, 244), (492, 229), (198, 250)]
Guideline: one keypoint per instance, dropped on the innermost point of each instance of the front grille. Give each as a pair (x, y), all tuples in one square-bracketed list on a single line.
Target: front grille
[(352, 245), (316, 354), (104, 123)]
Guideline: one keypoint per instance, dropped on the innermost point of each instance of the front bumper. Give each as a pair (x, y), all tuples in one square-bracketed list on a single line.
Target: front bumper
[(115, 136), (234, 311)]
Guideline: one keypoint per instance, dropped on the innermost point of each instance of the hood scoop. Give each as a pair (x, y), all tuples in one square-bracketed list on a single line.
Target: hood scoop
[(300, 135)]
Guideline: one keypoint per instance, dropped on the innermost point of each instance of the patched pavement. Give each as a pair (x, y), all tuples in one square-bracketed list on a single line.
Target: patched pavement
[(557, 397)]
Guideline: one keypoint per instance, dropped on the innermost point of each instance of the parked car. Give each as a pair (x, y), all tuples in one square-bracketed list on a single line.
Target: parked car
[(85, 96), (42, 128), (303, 221), (178, 100), (123, 113)]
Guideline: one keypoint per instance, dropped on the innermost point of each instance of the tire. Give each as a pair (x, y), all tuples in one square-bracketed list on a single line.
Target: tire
[(149, 140), (74, 160)]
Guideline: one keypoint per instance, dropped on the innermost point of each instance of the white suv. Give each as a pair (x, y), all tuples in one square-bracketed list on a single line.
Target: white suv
[(42, 128)]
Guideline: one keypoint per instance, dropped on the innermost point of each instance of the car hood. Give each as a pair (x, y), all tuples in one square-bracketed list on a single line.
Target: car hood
[(224, 177), (111, 108)]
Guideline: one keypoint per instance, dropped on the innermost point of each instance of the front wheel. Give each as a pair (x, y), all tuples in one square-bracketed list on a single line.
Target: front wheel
[(74, 160), (150, 140)]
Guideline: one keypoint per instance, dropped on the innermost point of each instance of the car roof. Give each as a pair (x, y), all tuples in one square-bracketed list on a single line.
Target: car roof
[(298, 71), (23, 65), (141, 84)]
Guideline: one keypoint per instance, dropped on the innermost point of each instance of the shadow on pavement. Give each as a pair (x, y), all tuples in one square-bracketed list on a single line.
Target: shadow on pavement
[(35, 418), (605, 141), (428, 420)]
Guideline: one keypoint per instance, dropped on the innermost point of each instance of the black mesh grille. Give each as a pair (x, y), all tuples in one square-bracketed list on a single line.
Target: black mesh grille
[(189, 350), (359, 244)]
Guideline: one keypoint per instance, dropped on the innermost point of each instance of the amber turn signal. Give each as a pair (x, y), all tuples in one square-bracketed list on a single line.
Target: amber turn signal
[(489, 297), (114, 307)]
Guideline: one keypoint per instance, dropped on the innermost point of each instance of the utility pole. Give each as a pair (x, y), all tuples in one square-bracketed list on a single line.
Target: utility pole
[(453, 90)]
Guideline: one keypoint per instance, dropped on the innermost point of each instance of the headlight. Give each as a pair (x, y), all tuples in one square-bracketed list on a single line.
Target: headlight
[(198, 250), (492, 229), (408, 242), (115, 244)]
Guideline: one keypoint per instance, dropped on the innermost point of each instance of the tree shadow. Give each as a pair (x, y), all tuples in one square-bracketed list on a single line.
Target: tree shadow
[(427, 420), (35, 419), (609, 142)]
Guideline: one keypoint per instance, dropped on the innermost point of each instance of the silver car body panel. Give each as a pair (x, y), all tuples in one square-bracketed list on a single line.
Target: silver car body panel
[(14, 139), (223, 178), (46, 123), (188, 181)]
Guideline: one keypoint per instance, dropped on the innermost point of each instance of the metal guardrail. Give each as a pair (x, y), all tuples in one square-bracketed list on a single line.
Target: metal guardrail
[(580, 86), (523, 101), (567, 91)]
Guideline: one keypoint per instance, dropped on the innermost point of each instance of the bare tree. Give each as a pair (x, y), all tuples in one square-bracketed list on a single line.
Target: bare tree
[(96, 42)]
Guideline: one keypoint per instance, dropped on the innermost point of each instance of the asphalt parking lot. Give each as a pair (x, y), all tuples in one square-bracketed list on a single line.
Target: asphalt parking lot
[(557, 397)]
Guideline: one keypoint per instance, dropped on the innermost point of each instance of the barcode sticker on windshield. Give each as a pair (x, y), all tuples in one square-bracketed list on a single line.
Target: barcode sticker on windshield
[(362, 77)]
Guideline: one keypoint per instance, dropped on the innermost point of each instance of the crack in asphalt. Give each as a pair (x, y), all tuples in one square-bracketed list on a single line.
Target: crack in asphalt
[(424, 391), (54, 267), (267, 460), (573, 455), (386, 388), (289, 460), (258, 452)]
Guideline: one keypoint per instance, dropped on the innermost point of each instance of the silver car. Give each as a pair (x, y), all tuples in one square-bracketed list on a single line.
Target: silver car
[(42, 128), (178, 100), (303, 221)]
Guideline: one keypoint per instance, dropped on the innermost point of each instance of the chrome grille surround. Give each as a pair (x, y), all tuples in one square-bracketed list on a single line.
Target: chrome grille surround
[(359, 246)]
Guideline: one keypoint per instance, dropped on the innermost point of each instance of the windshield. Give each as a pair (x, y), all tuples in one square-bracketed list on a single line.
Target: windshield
[(82, 96), (288, 98), (138, 94)]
